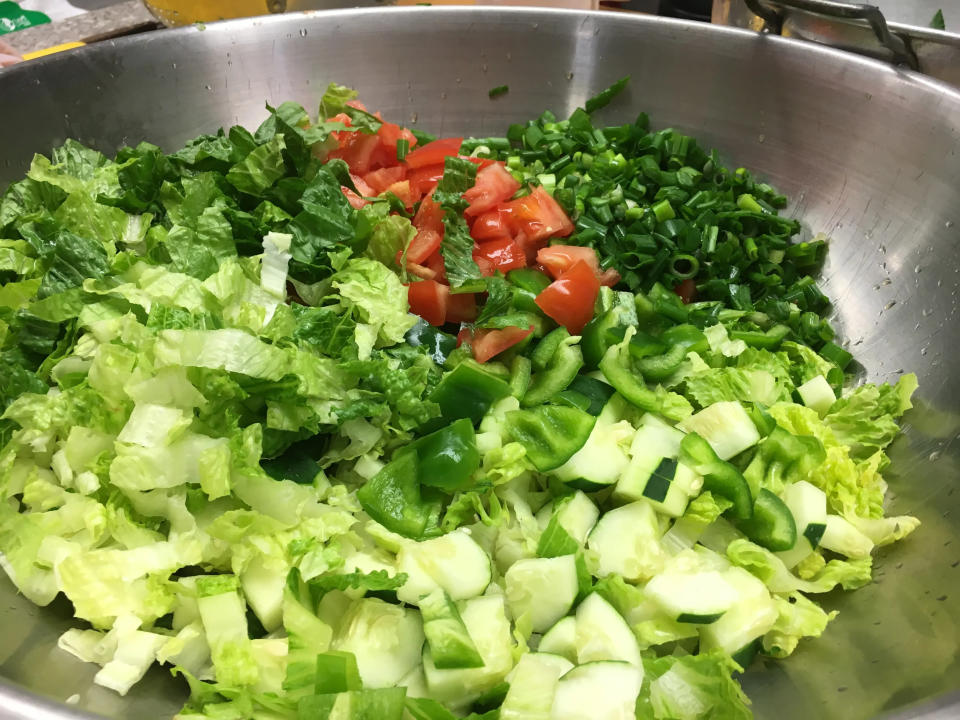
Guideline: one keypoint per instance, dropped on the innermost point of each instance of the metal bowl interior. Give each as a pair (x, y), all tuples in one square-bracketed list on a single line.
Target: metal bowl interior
[(867, 154)]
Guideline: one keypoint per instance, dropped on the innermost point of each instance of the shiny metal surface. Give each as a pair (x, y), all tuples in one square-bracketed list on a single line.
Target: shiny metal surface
[(868, 154), (855, 27)]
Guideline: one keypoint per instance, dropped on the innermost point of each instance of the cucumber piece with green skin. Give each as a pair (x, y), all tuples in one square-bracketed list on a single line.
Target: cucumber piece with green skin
[(561, 639), (533, 684), (450, 644), (605, 689), (842, 537), (603, 634), (626, 542), (726, 426), (655, 443), (569, 524), (453, 562), (486, 621), (698, 597), (543, 588), (751, 616), (386, 640), (601, 460), (808, 505)]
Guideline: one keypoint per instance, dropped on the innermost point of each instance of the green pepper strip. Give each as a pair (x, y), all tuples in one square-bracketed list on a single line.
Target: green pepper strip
[(551, 434), (772, 524), (594, 339), (520, 370), (447, 457), (392, 497), (556, 376), (616, 368), (526, 285), (640, 345), (466, 391), (719, 477), (783, 457), (768, 340)]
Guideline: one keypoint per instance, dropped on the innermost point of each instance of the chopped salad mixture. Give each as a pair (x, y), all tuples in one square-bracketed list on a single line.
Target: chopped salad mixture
[(340, 420)]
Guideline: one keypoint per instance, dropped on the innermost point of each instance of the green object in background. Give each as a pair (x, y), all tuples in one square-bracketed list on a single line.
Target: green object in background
[(13, 18), (937, 22)]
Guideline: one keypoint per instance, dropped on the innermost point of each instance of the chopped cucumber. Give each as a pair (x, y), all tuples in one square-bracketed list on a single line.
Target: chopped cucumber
[(561, 639), (486, 622), (697, 597), (606, 690), (533, 684), (817, 395), (808, 504), (603, 634), (386, 640), (653, 472), (842, 537), (572, 518), (752, 615), (601, 460), (543, 588), (626, 542), (453, 562), (726, 426), (450, 644)]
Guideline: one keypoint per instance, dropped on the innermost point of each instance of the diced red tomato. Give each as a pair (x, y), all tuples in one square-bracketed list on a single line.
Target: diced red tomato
[(356, 104), (503, 253), (559, 258), (462, 308), (570, 298), (362, 188), (419, 271), (426, 178), (424, 244), (435, 263), (488, 343), (391, 133), (429, 299), (464, 336), (481, 163), (405, 193), (383, 178), (491, 224), (538, 216), (485, 266), (354, 199), (357, 150), (342, 118), (429, 216), (530, 249), (609, 277), (687, 290), (493, 185), (433, 153)]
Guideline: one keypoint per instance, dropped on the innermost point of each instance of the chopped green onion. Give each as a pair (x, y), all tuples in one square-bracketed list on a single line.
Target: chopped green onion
[(403, 147), (498, 91), (603, 98)]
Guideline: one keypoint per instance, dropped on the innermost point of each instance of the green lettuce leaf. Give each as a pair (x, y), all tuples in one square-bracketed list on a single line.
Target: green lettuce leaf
[(797, 618), (692, 687), (864, 418)]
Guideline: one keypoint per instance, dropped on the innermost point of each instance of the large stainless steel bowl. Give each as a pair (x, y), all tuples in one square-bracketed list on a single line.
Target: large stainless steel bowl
[(868, 154)]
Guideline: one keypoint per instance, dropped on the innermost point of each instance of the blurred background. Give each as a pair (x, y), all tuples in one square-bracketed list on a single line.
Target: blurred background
[(35, 27)]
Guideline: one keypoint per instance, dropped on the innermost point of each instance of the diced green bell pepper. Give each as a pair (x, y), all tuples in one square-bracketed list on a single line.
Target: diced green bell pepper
[(771, 524), (437, 343), (392, 497), (448, 457), (551, 434), (768, 340), (617, 369), (467, 391), (719, 477), (527, 284), (783, 457), (554, 375)]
